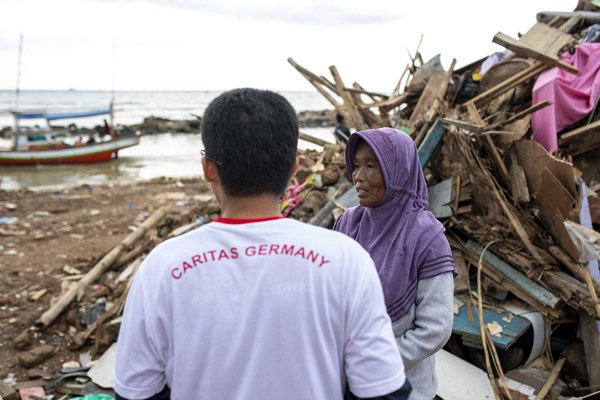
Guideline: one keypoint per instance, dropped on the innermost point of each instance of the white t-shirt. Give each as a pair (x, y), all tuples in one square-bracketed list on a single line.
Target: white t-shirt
[(273, 309)]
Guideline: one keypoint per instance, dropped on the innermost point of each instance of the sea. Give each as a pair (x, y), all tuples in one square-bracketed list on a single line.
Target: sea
[(172, 155)]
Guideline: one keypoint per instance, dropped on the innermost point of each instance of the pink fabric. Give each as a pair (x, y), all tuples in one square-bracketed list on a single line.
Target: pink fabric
[(573, 96)]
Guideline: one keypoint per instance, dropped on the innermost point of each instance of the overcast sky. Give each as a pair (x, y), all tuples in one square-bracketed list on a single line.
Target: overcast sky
[(222, 44)]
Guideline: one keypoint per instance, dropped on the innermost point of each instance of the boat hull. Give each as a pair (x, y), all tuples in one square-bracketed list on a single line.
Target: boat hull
[(89, 153)]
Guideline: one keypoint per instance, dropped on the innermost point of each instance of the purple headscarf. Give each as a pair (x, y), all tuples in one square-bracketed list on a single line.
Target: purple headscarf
[(404, 239)]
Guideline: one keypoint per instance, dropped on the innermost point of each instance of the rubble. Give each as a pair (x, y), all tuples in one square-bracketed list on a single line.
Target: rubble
[(511, 208)]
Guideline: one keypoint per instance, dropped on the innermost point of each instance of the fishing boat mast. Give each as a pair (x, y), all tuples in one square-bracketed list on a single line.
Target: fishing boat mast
[(18, 88)]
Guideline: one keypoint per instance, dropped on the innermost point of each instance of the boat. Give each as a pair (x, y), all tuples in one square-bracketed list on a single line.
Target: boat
[(63, 146)]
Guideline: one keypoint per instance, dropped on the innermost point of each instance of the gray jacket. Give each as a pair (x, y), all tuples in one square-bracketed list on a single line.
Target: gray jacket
[(423, 331)]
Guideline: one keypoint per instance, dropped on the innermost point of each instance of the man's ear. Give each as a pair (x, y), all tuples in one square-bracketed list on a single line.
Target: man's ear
[(209, 170), (294, 168)]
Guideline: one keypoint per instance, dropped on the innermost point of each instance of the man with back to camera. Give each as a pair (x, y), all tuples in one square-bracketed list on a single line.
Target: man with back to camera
[(254, 305)]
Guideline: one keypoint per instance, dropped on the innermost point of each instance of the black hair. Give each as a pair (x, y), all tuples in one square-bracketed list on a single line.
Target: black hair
[(252, 136), (340, 118)]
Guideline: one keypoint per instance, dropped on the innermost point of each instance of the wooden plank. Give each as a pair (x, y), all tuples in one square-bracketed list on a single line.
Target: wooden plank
[(555, 193), (527, 111), (348, 102), (516, 223), (75, 290), (496, 276), (547, 39), (577, 270), (526, 50), (535, 290), (523, 76), (312, 139), (534, 158), (388, 103), (430, 142), (372, 119), (590, 333), (511, 331), (362, 91), (593, 128), (431, 98), (426, 99), (468, 126), (441, 198), (541, 395), (518, 188), (305, 72), (590, 328)]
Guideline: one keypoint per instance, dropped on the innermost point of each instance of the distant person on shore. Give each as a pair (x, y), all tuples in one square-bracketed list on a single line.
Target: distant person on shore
[(254, 305), (408, 245), (342, 131)]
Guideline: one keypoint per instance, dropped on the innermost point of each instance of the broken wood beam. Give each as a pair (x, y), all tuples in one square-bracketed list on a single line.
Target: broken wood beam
[(351, 108), (317, 83), (313, 76), (518, 189), (524, 49), (467, 126), (590, 332), (101, 266), (389, 103), (521, 114), (368, 93), (312, 139), (578, 270), (541, 395), (508, 84), (518, 279), (593, 128)]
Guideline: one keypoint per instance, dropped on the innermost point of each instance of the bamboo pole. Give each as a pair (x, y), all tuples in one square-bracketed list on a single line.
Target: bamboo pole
[(102, 265)]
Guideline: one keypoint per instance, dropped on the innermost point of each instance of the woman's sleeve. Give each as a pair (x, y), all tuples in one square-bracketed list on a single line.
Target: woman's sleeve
[(433, 319)]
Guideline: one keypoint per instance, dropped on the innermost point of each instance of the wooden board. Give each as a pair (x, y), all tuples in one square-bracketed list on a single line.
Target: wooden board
[(431, 142), (471, 333), (534, 159), (525, 49), (546, 38), (509, 273), (441, 198)]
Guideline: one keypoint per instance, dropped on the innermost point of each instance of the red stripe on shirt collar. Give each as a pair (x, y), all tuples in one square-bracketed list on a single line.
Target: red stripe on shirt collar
[(239, 221)]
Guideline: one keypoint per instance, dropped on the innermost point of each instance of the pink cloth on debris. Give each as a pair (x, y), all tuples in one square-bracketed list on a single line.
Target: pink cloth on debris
[(573, 96)]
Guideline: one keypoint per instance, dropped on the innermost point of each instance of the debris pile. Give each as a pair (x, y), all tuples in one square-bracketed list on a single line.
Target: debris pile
[(509, 145)]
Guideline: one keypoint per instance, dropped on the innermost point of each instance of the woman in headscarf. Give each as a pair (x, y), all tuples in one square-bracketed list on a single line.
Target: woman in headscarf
[(407, 243)]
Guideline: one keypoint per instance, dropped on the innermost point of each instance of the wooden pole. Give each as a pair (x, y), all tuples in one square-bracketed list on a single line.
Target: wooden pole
[(313, 76), (312, 139), (551, 379), (102, 265), (348, 102)]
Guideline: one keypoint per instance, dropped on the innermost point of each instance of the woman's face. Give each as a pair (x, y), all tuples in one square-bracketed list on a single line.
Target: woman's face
[(367, 176)]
